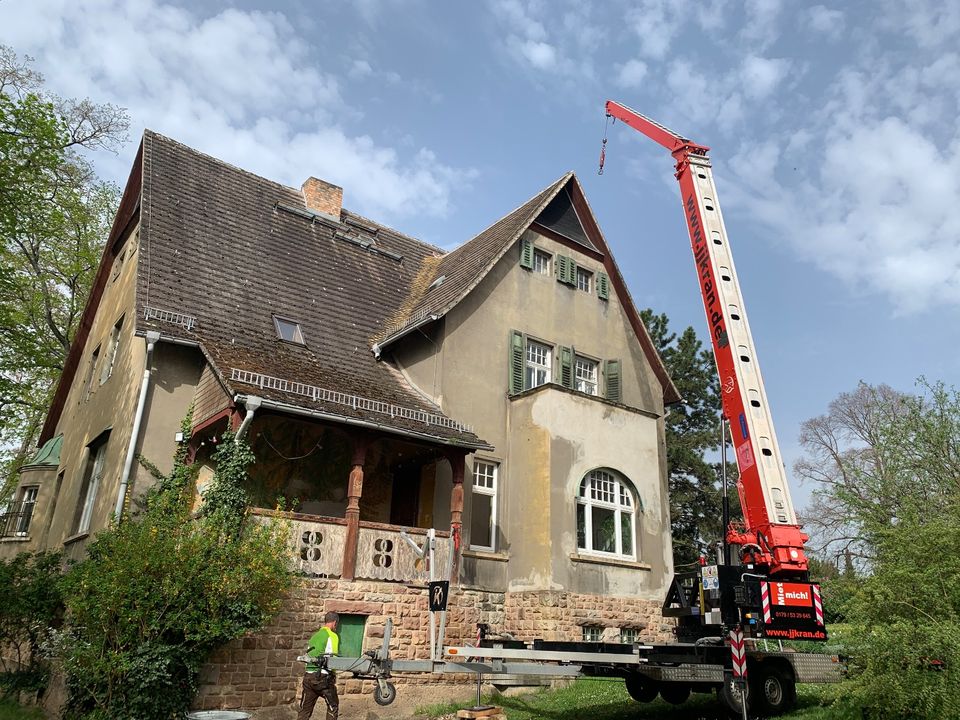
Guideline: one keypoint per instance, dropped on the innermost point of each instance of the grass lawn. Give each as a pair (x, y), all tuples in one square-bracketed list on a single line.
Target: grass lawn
[(10, 710), (608, 700)]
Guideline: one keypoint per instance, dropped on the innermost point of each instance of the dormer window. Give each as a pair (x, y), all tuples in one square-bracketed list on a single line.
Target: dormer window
[(288, 330)]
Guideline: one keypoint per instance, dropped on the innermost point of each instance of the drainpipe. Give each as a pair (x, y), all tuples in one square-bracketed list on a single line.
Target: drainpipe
[(152, 337), (253, 404)]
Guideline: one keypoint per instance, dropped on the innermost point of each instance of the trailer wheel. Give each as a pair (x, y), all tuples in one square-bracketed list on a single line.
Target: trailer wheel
[(774, 689), (675, 693), (730, 698), (384, 692), (641, 688)]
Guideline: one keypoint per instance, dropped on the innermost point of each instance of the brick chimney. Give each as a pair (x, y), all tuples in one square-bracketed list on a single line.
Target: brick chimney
[(322, 197)]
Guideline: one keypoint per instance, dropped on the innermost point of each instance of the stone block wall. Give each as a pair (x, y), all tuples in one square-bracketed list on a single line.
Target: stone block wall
[(261, 670)]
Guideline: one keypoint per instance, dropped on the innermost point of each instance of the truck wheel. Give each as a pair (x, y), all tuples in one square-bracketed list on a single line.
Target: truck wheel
[(730, 698), (774, 689), (384, 692), (641, 688), (675, 693)]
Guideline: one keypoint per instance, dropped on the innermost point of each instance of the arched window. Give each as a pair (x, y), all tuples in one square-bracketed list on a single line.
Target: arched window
[(606, 516)]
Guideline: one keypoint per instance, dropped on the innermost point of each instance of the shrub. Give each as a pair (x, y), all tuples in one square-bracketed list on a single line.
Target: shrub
[(162, 590), (30, 606)]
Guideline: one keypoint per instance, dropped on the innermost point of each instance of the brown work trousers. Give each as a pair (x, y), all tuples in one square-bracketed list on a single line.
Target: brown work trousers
[(317, 685)]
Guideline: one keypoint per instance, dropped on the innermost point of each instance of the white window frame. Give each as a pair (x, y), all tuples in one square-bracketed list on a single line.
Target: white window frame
[(533, 367), (486, 481), (586, 382), (94, 357), (28, 496), (607, 490), (629, 636), (297, 330), (93, 486), (111, 358), (542, 262), (584, 280)]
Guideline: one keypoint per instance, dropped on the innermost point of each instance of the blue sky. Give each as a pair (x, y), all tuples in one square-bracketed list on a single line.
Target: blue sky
[(833, 130)]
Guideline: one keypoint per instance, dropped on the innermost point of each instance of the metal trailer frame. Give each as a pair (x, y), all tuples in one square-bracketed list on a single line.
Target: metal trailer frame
[(700, 665)]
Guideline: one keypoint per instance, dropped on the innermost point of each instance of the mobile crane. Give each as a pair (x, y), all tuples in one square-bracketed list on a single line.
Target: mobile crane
[(769, 590), (766, 594)]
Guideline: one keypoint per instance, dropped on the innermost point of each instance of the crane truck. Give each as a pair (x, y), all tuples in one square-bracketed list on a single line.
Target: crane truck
[(727, 612)]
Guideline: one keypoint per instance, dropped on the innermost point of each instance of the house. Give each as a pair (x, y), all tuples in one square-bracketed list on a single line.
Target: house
[(505, 394)]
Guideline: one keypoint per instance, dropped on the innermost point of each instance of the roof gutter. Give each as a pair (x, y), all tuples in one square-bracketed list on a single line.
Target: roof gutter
[(253, 404), (320, 415), (152, 337)]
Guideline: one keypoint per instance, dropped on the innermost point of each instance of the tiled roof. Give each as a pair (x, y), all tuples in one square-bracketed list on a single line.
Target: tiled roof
[(222, 251), (462, 269)]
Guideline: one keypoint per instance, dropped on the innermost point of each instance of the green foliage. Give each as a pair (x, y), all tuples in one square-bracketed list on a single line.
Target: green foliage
[(225, 501), (692, 433), (890, 489), (160, 591), (9, 710), (54, 218), (30, 607)]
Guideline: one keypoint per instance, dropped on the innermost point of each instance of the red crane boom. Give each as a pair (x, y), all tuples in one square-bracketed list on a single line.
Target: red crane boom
[(771, 536)]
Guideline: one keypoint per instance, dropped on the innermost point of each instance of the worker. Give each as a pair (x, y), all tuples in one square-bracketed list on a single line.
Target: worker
[(318, 680)]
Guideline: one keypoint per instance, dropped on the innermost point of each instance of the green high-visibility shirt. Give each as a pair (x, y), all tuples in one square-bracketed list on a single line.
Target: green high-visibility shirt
[(324, 642)]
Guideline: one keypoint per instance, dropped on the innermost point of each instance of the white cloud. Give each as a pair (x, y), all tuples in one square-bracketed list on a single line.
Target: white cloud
[(761, 76), (360, 69), (826, 21), (540, 54), (631, 73), (242, 86), (761, 22)]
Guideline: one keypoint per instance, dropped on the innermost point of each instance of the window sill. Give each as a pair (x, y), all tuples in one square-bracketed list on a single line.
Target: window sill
[(76, 538), (15, 539), (486, 555), (598, 560)]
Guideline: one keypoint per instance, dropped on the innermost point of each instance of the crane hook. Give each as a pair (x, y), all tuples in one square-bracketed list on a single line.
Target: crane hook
[(603, 146)]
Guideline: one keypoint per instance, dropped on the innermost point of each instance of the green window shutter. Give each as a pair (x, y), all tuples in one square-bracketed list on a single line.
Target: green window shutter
[(566, 367), (526, 254), (560, 267), (516, 362), (572, 272), (612, 377), (603, 286)]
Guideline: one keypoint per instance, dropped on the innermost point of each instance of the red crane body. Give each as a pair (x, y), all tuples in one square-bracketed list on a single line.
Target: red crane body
[(771, 537)]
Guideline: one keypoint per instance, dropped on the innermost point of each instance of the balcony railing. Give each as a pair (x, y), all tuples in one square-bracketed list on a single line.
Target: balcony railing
[(15, 521), (317, 544)]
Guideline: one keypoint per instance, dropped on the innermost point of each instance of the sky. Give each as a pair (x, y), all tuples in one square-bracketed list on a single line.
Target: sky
[(833, 133)]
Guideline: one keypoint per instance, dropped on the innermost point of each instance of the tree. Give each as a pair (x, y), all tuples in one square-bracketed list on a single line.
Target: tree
[(888, 471), (692, 434), (54, 218)]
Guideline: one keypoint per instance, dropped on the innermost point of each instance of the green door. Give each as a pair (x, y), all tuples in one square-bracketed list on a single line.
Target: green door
[(351, 635)]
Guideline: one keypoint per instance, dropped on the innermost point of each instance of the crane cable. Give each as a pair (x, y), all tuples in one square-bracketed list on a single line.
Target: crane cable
[(603, 146)]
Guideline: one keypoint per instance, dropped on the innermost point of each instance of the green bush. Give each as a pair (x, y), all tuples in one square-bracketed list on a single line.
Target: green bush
[(162, 590), (30, 607)]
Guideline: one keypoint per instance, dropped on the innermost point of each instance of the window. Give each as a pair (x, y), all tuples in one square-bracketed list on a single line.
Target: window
[(112, 348), (584, 280), (586, 375), (592, 633), (542, 262), (28, 500), (606, 521), (628, 636), (92, 475), (288, 330), (118, 263), (538, 365), (483, 514), (90, 371)]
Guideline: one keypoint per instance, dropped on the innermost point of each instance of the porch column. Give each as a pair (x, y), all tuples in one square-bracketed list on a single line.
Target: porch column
[(352, 515), (456, 459)]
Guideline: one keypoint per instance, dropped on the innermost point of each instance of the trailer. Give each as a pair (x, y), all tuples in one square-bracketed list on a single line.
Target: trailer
[(671, 671)]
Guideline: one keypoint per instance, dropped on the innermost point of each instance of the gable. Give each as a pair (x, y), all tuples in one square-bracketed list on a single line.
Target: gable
[(561, 217)]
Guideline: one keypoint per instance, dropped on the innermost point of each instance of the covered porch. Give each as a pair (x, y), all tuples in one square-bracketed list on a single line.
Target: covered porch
[(348, 494)]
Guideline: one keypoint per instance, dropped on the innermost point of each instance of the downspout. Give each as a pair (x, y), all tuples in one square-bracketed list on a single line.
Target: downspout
[(252, 403), (152, 337)]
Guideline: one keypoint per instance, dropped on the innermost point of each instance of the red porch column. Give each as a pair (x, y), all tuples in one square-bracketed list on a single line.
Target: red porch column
[(354, 492), (457, 461)]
